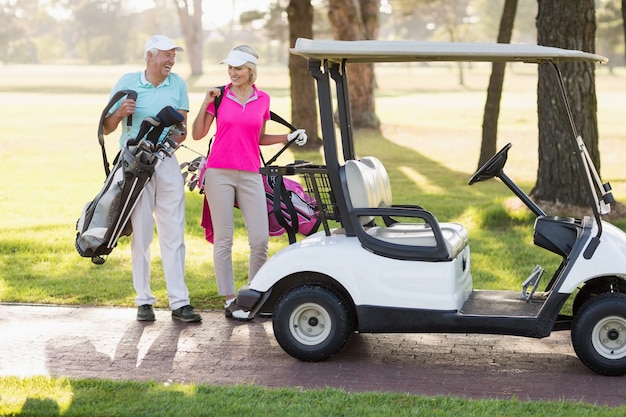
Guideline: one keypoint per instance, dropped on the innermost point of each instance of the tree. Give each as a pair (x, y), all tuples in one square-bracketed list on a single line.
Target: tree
[(190, 15), (494, 91), (449, 17), (101, 29), (624, 22), (358, 20), (567, 24), (303, 107), (15, 31)]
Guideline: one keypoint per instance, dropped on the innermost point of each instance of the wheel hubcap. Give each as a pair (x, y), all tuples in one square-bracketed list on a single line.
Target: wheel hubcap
[(310, 324), (609, 337)]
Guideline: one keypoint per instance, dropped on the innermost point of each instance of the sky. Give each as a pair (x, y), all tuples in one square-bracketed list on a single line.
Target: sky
[(216, 12)]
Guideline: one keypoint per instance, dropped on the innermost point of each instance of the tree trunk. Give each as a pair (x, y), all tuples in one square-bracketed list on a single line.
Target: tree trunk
[(358, 20), (494, 91), (303, 98), (191, 25), (567, 24), (624, 22)]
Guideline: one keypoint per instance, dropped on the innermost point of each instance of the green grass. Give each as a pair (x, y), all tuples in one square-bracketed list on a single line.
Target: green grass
[(51, 166), (41, 396)]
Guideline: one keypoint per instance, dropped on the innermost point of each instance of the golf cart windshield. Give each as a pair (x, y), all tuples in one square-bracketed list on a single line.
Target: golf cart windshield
[(328, 58)]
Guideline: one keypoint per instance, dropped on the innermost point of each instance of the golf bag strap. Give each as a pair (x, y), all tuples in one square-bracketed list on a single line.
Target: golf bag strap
[(281, 195), (129, 122), (273, 116), (276, 118), (217, 100), (280, 191)]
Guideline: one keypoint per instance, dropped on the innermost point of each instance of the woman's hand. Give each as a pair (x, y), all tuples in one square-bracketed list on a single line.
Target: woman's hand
[(210, 95), (299, 135)]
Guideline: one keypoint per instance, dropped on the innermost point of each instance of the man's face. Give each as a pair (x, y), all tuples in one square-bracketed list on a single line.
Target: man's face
[(162, 62)]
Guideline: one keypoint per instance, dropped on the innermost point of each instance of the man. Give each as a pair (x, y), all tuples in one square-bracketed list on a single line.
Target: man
[(164, 194)]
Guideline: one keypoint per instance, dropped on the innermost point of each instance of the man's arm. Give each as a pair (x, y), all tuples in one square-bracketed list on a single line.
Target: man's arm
[(112, 120)]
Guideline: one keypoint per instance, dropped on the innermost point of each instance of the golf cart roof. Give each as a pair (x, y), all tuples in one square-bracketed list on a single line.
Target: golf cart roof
[(409, 51)]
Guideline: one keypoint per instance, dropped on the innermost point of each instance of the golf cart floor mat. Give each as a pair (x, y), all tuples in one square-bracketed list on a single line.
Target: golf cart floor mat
[(506, 303)]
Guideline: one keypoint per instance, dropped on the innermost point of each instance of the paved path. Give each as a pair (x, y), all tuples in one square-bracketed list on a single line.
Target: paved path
[(96, 342)]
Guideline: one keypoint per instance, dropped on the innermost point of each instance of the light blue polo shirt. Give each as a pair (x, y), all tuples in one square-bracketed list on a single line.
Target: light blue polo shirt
[(150, 99)]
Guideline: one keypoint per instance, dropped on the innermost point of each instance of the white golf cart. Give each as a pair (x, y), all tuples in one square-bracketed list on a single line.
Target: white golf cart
[(396, 269)]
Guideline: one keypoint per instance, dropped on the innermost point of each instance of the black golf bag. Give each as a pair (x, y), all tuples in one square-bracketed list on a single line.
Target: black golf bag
[(107, 217)]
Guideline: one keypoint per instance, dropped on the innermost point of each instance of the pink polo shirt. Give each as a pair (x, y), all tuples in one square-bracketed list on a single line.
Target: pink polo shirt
[(236, 143)]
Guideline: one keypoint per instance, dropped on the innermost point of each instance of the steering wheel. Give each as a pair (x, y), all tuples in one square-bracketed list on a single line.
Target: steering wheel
[(493, 167)]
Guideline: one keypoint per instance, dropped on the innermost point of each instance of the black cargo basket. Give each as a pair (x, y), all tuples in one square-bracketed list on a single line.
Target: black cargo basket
[(316, 184)]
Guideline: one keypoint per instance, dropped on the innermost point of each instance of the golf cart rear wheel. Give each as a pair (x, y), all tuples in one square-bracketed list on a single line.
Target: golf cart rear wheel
[(311, 323), (599, 334)]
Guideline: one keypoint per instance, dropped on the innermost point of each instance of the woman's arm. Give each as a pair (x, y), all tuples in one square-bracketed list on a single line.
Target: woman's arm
[(267, 139), (299, 135)]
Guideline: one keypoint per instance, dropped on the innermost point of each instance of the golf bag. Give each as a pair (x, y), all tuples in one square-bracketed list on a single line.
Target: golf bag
[(286, 199), (107, 217), (290, 209)]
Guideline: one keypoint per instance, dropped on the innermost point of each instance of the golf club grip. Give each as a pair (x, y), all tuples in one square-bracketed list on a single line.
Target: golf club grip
[(133, 96)]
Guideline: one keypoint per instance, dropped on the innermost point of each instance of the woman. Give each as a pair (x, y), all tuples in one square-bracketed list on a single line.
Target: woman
[(232, 168)]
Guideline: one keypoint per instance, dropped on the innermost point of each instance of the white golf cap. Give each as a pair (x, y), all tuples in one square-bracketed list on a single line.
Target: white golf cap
[(237, 58), (162, 43)]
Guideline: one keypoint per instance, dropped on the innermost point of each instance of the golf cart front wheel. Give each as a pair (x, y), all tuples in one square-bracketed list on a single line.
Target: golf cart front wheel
[(311, 323), (599, 334)]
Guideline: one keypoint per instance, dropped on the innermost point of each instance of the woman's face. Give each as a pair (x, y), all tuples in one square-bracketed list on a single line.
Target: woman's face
[(239, 76)]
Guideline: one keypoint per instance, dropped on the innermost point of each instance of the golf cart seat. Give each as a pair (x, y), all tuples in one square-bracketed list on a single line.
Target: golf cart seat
[(421, 238)]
